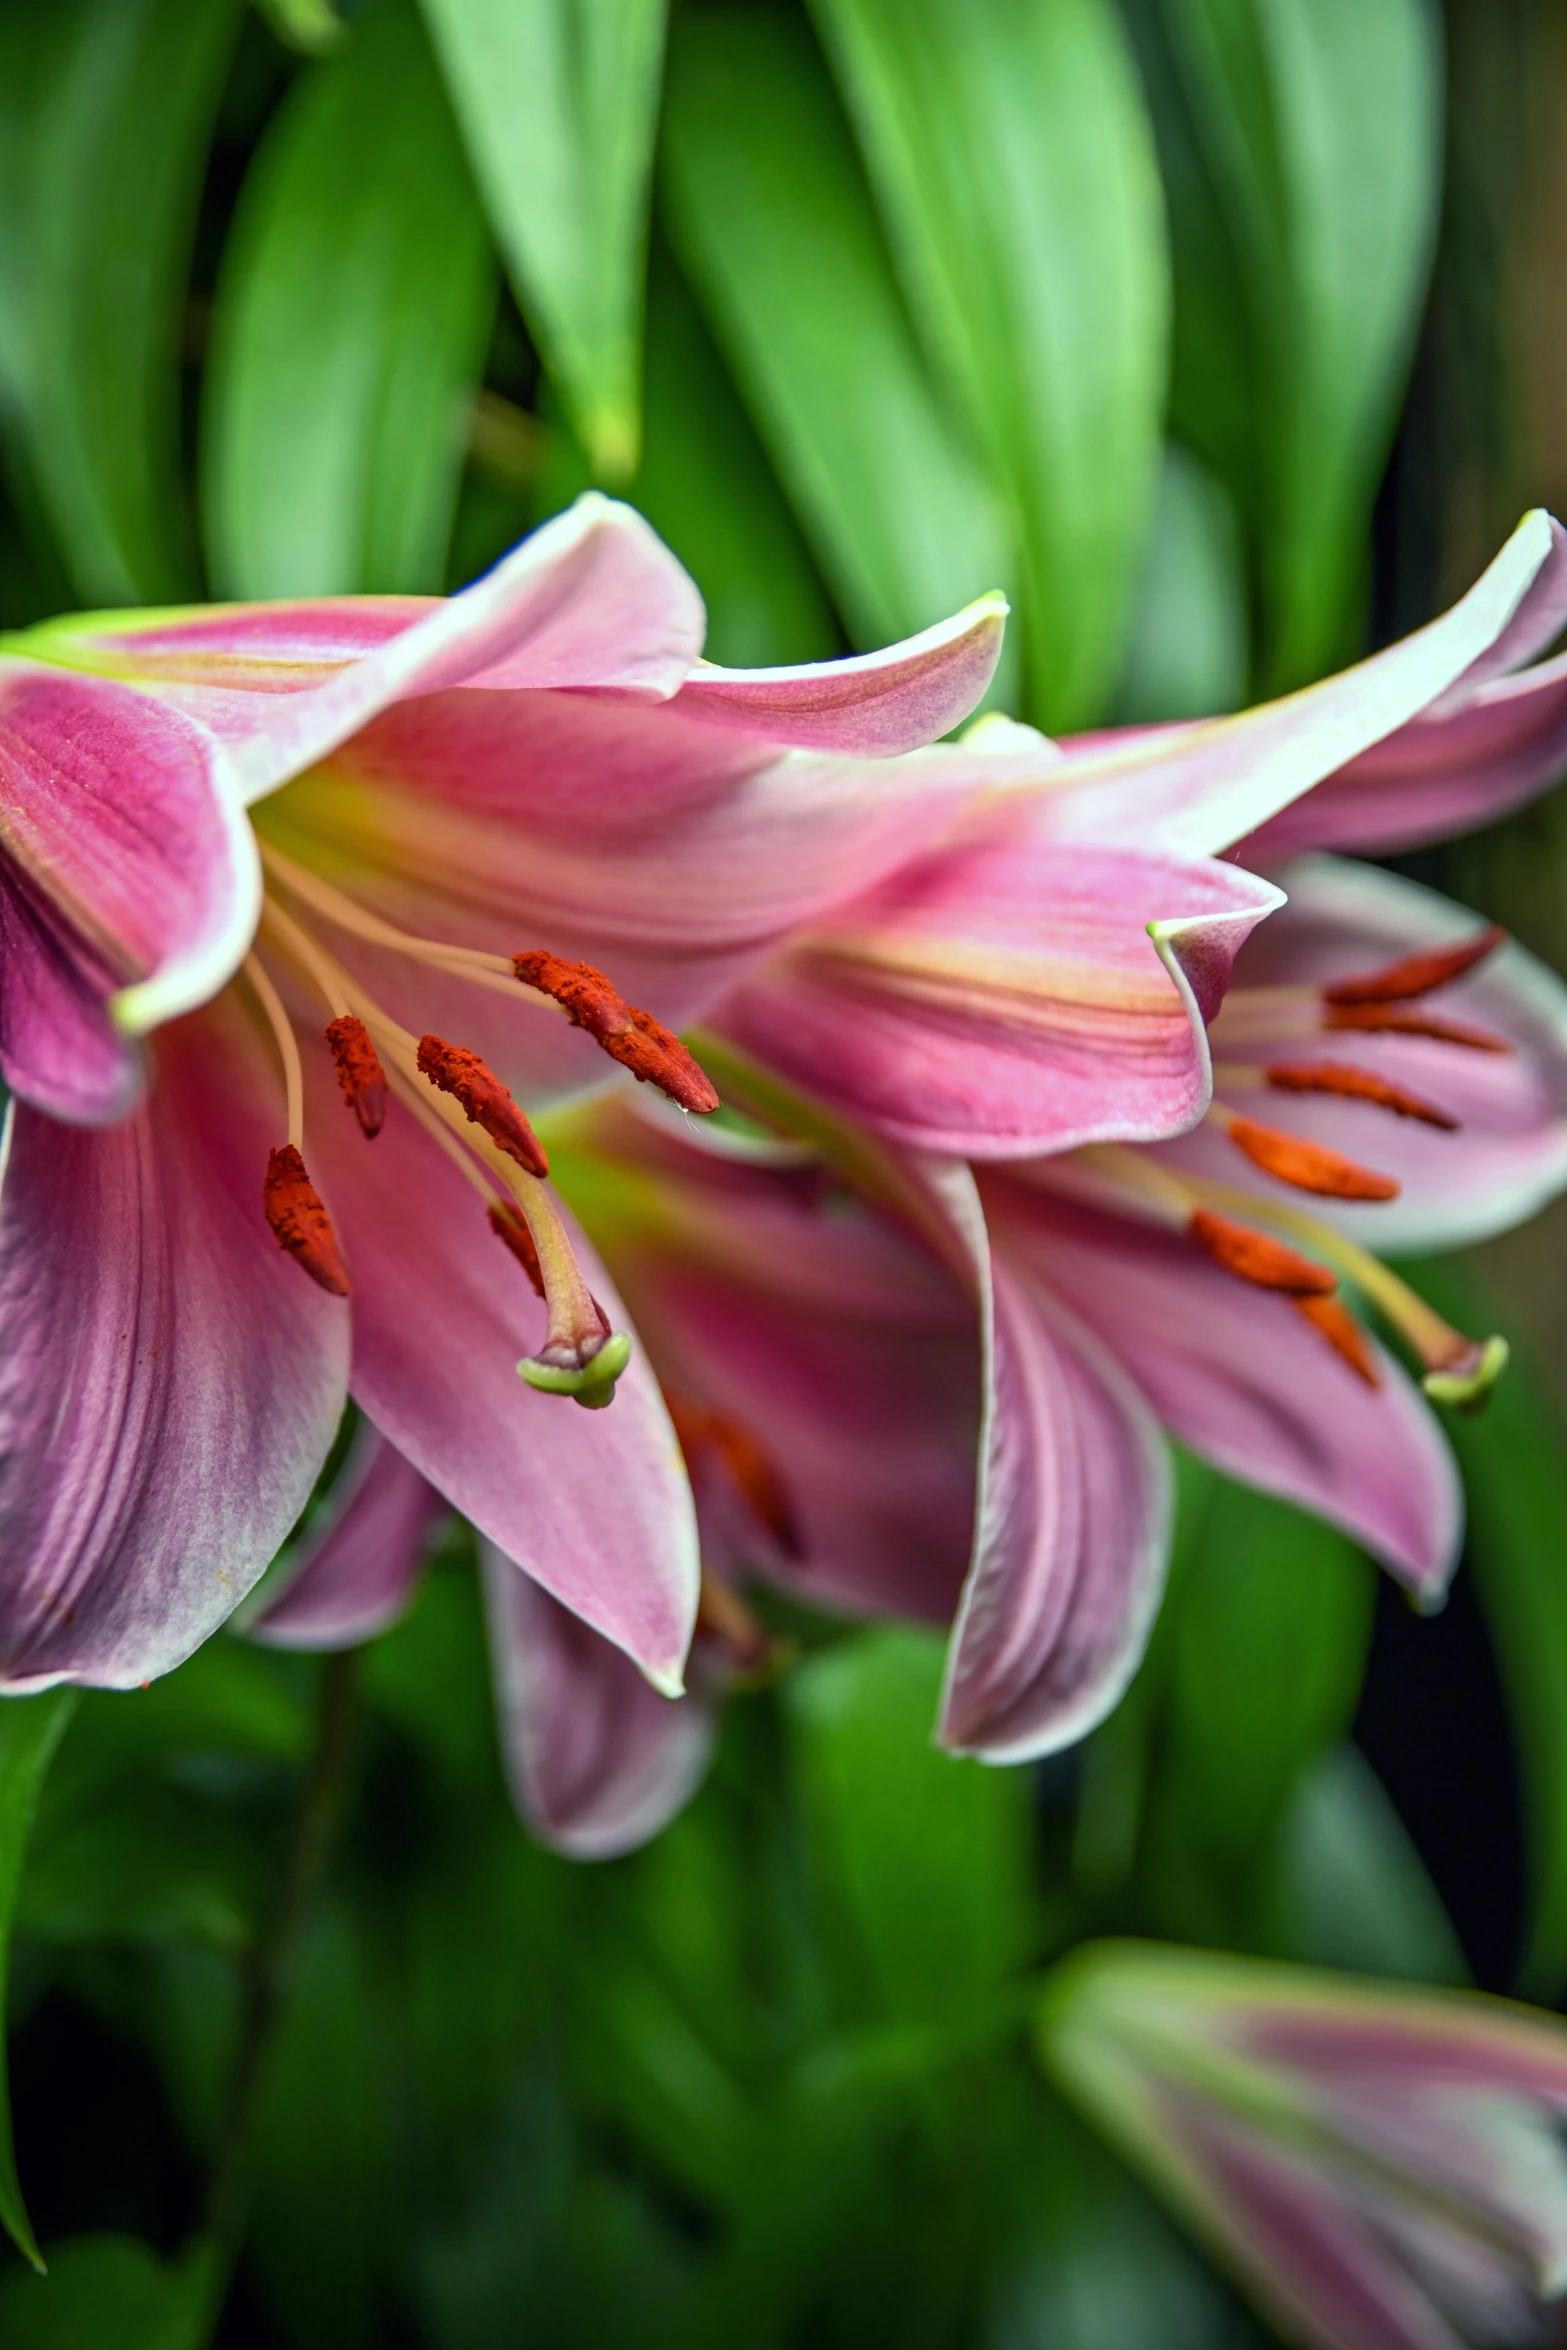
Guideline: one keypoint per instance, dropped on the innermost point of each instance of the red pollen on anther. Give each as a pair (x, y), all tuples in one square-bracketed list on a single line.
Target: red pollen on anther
[(300, 1224), (1357, 1085), (510, 1226), (359, 1072), (1416, 975), (1343, 1333), (1385, 1020), (1253, 1256), (1307, 1166), (630, 1036), (488, 1103)]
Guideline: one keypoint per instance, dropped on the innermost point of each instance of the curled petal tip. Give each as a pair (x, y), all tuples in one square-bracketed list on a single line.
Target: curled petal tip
[(590, 1382), (1467, 1381)]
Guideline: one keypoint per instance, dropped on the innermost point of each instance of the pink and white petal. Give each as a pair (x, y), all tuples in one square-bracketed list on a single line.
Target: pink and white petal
[(592, 599), (1072, 1527), (832, 1342), (1197, 790), (595, 1505), (1435, 777), (598, 1761), (129, 884), (1509, 1155), (868, 706), (995, 998), (356, 1571), (169, 1381), (1533, 629), (1242, 1378)]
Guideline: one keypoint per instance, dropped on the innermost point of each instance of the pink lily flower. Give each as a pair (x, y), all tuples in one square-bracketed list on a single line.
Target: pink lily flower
[(1006, 1472), (1382, 2168), (259, 859)]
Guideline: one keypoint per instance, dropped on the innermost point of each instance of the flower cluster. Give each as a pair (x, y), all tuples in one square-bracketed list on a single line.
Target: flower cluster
[(1036, 1099)]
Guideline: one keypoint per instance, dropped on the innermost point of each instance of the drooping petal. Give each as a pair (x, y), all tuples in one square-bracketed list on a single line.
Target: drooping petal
[(1072, 1526), (995, 997), (598, 1761), (1196, 790), (129, 885), (169, 1383), (1240, 1376), (1508, 1154), (837, 1359), (595, 1505), (869, 705), (1435, 777), (356, 1572), (592, 599)]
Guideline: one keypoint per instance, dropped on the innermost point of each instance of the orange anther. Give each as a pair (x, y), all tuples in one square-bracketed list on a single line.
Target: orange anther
[(1416, 975), (1253, 1256), (1358, 1085), (630, 1036), (301, 1224), (1343, 1333), (510, 1226), (1307, 1165), (1384, 1020), (488, 1103), (359, 1072)]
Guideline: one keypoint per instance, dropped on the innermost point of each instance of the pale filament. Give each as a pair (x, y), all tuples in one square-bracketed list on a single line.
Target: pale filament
[(470, 963), (287, 1044)]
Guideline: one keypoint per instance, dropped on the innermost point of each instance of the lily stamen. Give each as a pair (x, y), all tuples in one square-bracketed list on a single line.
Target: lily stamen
[(1256, 1257), (1416, 975), (629, 1035), (292, 1205), (359, 1072), (510, 1227), (1350, 1083), (1385, 1020), (472, 1082), (1343, 1333), (1305, 1166)]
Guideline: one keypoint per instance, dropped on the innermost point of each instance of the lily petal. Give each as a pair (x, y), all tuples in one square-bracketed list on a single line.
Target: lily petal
[(1194, 791), (869, 705), (598, 1761), (356, 1572), (994, 998), (1072, 1528), (1509, 1153), (594, 1505), (169, 1385), (129, 885), (1244, 1380)]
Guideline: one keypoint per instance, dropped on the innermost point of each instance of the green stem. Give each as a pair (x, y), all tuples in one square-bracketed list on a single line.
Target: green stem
[(265, 1989)]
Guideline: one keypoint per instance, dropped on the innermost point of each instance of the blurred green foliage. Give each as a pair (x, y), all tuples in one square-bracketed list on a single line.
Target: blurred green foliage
[(870, 308)]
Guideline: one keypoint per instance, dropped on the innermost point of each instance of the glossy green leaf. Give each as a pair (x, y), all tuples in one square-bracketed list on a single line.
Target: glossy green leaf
[(770, 214), (1186, 652), (1015, 166), (1318, 123), (925, 1857), (355, 304), (104, 2291), (1514, 1461), (558, 100), (106, 111), (30, 1730), (1353, 1892)]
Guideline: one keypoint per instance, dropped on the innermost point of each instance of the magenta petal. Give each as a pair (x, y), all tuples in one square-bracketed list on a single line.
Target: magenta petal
[(595, 1505), (598, 1761), (1436, 776), (1534, 627), (1241, 1377), (356, 1572), (170, 1381), (1073, 1524), (867, 706), (129, 886), (996, 997)]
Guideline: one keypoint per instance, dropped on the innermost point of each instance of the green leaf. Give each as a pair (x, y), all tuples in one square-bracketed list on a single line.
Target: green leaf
[(1186, 652), (769, 212), (312, 26), (1319, 127), (1353, 1892), (558, 100), (104, 2290), (1514, 1461), (1015, 165), (355, 303), (30, 1730), (106, 111), (925, 1858)]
